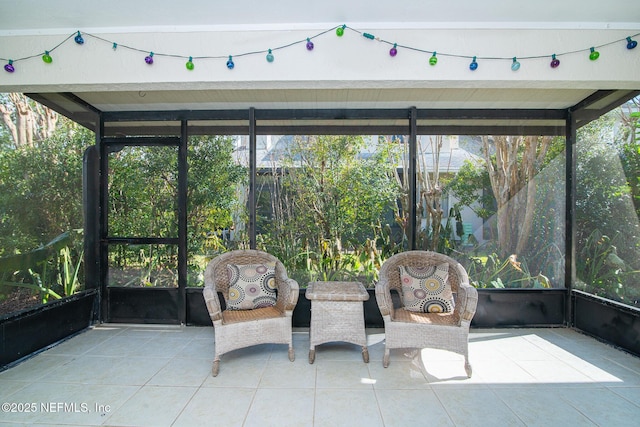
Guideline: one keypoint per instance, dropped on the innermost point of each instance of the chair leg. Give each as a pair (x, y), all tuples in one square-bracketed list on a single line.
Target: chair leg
[(365, 354), (467, 367), (216, 367), (385, 358), (292, 355)]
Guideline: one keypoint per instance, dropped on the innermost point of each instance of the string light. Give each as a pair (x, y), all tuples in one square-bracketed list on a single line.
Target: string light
[(189, 64), (393, 51), (9, 68), (474, 65), (594, 54)]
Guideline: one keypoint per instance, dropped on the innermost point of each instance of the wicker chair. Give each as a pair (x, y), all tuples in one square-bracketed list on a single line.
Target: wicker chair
[(236, 329), (410, 329)]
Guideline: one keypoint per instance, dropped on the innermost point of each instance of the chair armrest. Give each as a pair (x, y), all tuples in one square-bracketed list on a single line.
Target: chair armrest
[(383, 298), (213, 303), (288, 293), (466, 302)]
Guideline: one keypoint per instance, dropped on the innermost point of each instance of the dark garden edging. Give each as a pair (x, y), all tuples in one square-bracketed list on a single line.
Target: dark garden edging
[(27, 331)]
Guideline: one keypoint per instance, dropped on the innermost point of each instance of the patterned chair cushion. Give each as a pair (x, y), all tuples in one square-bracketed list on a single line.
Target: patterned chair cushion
[(427, 289), (251, 286)]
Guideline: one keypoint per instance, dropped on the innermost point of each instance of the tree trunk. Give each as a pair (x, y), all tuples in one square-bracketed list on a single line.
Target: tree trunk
[(27, 121), (512, 177)]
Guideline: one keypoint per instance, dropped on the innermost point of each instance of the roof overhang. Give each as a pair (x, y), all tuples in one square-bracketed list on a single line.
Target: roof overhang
[(346, 85)]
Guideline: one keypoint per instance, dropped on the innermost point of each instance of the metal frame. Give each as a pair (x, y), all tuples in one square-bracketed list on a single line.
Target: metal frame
[(411, 121)]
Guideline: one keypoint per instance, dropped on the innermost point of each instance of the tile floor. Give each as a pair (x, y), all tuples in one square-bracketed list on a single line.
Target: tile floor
[(131, 375)]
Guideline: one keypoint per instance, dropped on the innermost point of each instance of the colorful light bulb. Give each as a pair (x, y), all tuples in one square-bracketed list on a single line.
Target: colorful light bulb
[(189, 64), (433, 60), (515, 65), (474, 65), (309, 44), (269, 56), (230, 63), (115, 46), (594, 54), (9, 68), (631, 44), (78, 39), (47, 58), (149, 58), (555, 62), (340, 31), (393, 51)]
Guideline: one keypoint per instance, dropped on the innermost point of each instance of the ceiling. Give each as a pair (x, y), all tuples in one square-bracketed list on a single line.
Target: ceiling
[(38, 16), (35, 17)]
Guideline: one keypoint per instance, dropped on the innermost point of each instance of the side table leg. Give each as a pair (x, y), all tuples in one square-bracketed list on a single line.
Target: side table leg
[(365, 354), (312, 355)]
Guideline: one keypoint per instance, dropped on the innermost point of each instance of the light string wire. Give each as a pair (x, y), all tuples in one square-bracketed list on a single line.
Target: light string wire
[(510, 58), (344, 27)]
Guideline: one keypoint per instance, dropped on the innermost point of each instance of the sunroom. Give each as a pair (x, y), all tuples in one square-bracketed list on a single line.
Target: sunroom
[(502, 135)]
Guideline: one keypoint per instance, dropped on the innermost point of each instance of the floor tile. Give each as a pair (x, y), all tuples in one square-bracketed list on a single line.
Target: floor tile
[(542, 407), (343, 374), (286, 374), (398, 375), (198, 347), (553, 372), (82, 369), (31, 403), (152, 406), (217, 407), (632, 394), (121, 345), (237, 372), (164, 345), (281, 408), (182, 372), (505, 372), (130, 375), (355, 408), (405, 408), (129, 371), (476, 407), (341, 351), (603, 407), (34, 368), (8, 387)]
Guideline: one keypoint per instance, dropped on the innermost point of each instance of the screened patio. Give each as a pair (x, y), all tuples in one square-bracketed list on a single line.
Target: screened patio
[(160, 79)]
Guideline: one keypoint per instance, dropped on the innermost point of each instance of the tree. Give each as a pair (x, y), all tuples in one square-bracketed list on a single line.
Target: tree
[(327, 198), (430, 190), (27, 121), (216, 196), (512, 170), (41, 189)]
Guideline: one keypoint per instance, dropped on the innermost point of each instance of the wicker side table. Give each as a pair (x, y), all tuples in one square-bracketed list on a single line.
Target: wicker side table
[(337, 314)]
